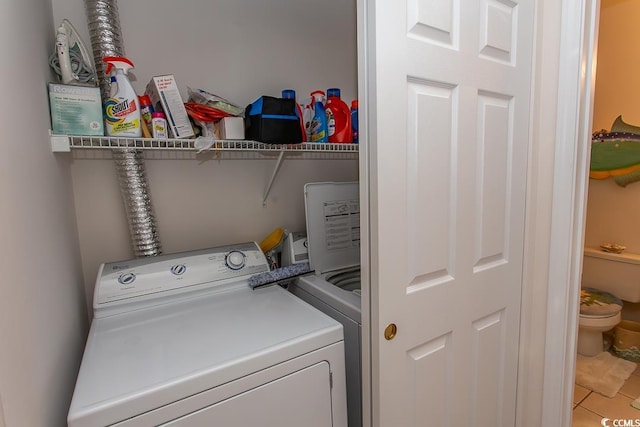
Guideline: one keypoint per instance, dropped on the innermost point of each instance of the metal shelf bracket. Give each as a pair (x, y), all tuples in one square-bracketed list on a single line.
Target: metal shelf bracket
[(273, 177)]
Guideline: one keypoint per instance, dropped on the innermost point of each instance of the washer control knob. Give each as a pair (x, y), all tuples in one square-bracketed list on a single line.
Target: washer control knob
[(126, 278), (178, 269), (235, 260)]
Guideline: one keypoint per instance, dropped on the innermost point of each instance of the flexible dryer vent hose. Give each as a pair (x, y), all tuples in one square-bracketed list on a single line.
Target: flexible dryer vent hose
[(106, 40)]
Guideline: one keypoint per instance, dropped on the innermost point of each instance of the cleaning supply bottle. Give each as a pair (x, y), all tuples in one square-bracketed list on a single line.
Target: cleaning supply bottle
[(146, 113), (291, 94), (121, 111), (306, 105), (354, 120), (318, 126), (338, 117), (159, 125)]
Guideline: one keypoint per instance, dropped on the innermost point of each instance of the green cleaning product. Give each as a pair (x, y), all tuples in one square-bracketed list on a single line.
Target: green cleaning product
[(121, 110)]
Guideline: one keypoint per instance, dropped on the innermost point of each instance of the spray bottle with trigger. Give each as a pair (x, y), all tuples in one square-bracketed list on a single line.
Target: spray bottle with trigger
[(319, 129), (121, 110)]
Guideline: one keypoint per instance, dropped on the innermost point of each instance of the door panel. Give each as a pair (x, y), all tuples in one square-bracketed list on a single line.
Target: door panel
[(430, 107), (450, 86)]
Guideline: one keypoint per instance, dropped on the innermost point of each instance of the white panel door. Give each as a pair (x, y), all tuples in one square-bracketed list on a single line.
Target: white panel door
[(449, 88)]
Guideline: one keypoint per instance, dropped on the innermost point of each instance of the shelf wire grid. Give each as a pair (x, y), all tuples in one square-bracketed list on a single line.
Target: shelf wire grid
[(89, 142)]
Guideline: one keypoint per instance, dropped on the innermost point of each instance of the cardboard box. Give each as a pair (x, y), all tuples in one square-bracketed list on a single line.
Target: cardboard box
[(75, 110), (230, 128), (165, 96)]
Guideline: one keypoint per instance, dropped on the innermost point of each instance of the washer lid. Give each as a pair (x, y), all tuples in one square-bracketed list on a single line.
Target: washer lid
[(141, 360), (333, 225)]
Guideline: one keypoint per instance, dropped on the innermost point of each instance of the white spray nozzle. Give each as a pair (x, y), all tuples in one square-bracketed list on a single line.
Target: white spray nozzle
[(117, 62)]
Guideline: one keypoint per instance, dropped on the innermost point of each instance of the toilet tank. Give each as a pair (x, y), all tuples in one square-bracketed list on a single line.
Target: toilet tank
[(618, 274)]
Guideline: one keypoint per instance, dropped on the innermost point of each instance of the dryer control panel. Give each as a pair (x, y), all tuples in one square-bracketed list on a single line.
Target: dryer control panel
[(130, 285)]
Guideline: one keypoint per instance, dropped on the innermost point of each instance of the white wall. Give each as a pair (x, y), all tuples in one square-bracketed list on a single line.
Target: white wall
[(42, 312), (611, 213), (238, 49), (612, 209), (617, 83)]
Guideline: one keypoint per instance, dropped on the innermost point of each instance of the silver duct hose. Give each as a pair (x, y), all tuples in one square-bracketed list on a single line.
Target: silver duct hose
[(135, 194), (106, 40)]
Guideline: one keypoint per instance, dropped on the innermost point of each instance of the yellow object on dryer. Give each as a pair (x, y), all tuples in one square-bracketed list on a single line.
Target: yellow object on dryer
[(272, 240)]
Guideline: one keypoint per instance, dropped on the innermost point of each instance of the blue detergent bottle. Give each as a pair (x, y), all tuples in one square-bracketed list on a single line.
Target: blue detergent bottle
[(319, 130)]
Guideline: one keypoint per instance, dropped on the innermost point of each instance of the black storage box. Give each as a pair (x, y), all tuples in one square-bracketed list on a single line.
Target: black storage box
[(273, 121)]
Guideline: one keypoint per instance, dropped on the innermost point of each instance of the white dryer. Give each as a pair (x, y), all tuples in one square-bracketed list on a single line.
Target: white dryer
[(183, 340), (333, 240)]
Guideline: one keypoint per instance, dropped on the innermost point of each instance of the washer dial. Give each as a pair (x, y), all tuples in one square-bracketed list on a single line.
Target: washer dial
[(178, 269), (235, 260), (126, 278)]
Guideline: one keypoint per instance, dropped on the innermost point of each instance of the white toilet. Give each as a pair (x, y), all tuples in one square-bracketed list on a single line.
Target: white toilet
[(599, 312), (607, 278)]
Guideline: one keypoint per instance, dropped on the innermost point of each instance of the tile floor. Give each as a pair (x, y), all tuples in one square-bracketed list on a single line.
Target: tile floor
[(589, 408)]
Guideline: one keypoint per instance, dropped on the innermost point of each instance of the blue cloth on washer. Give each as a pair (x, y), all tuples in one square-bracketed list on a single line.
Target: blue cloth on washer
[(278, 275), (595, 302)]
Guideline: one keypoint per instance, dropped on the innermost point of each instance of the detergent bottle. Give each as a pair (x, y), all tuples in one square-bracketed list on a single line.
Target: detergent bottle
[(338, 117), (291, 94), (306, 105), (354, 120), (318, 126), (121, 110)]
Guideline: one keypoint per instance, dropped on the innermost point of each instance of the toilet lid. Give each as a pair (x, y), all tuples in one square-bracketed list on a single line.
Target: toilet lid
[(594, 302)]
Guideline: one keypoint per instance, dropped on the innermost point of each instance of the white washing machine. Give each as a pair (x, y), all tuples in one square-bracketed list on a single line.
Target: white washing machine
[(333, 241), (182, 340)]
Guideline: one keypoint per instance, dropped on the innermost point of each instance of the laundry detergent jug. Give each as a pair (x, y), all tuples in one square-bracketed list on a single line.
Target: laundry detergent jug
[(338, 117)]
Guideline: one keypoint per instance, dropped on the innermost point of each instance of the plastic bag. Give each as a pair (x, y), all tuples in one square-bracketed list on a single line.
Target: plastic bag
[(215, 102)]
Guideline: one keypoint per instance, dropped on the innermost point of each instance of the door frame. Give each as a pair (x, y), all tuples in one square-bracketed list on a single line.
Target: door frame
[(576, 78), (364, 41)]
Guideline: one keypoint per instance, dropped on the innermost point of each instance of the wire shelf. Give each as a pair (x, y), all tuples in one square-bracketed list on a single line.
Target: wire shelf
[(67, 143), (101, 147)]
